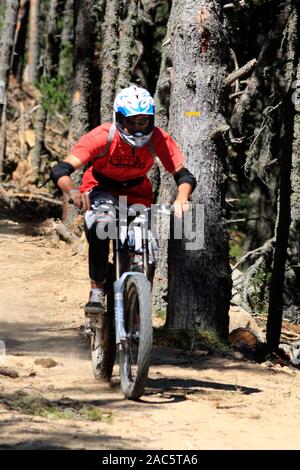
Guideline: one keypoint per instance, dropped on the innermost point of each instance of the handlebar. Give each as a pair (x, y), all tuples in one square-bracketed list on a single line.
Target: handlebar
[(163, 209)]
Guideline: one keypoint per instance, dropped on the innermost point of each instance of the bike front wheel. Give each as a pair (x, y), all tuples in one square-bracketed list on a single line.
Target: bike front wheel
[(103, 342), (103, 348), (135, 355)]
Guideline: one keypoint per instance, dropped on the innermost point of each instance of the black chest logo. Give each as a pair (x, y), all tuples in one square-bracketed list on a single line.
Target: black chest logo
[(122, 160)]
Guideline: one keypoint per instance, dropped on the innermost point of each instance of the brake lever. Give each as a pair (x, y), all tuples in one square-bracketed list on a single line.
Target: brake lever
[(71, 201)]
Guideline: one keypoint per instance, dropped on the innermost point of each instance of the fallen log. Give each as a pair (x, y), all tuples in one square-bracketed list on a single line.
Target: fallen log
[(65, 233)]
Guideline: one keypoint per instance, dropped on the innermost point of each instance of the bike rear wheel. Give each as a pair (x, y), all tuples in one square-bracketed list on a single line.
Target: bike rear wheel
[(103, 342), (135, 355)]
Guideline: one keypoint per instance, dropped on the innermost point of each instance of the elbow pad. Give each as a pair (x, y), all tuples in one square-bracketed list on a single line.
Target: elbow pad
[(185, 176), (61, 169)]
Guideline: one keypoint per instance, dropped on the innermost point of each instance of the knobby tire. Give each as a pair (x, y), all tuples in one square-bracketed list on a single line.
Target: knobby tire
[(135, 355), (103, 347)]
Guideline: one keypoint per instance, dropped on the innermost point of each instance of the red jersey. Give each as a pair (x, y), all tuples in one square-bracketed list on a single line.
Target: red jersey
[(123, 162)]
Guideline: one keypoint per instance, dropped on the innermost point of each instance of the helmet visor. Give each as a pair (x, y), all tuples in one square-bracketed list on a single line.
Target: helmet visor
[(140, 124)]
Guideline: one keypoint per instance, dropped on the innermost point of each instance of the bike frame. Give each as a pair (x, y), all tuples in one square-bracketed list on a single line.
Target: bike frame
[(121, 278)]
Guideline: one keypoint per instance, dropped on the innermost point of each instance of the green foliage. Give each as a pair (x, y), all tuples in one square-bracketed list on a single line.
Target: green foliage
[(161, 314), (93, 413), (162, 13), (236, 243), (260, 295), (66, 61), (54, 410), (191, 340), (211, 340), (55, 96)]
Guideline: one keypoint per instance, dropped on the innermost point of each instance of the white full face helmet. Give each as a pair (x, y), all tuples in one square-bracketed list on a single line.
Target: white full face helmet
[(133, 101)]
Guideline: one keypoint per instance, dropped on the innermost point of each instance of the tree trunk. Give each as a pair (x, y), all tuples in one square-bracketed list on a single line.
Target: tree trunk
[(153, 18), (166, 188), (284, 213), (110, 59), (2, 138), (99, 14), (33, 47), (199, 276), (50, 71), (128, 53), (54, 37), (81, 99), (67, 14), (7, 41), (66, 38), (83, 59), (294, 240), (282, 231), (19, 49), (40, 139)]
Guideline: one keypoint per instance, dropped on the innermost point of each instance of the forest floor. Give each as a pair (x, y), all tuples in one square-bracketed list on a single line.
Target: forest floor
[(192, 401)]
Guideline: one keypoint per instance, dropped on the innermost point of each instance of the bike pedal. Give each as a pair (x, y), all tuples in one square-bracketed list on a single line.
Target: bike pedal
[(88, 332)]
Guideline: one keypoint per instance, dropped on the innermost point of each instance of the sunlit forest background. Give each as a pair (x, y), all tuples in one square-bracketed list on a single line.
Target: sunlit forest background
[(61, 64)]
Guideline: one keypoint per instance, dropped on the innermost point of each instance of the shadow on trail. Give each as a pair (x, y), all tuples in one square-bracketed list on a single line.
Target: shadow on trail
[(30, 428), (36, 339), (36, 435), (166, 356), (28, 213), (33, 445), (192, 385)]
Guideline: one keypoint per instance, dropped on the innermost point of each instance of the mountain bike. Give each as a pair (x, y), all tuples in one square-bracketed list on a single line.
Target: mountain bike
[(126, 326)]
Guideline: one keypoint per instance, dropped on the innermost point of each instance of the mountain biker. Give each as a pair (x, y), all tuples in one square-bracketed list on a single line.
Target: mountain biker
[(121, 154)]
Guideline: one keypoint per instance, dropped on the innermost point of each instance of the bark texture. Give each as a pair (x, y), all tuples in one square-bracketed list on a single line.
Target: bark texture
[(54, 37), (84, 23), (110, 58), (294, 240), (284, 207), (161, 178), (128, 54), (83, 60), (20, 41), (40, 139), (33, 47), (282, 232), (199, 279), (66, 38), (7, 41)]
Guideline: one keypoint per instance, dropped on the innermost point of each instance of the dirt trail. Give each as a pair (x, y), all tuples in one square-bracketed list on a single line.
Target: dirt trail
[(191, 401)]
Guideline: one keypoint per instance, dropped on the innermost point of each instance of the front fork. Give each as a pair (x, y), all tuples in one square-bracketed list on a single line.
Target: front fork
[(119, 307), (120, 282)]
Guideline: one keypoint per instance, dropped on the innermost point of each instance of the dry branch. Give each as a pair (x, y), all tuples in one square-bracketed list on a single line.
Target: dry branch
[(243, 104), (227, 6), (38, 197), (241, 72), (258, 251)]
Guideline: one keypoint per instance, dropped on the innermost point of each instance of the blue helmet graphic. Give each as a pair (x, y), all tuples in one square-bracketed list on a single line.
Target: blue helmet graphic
[(133, 101)]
